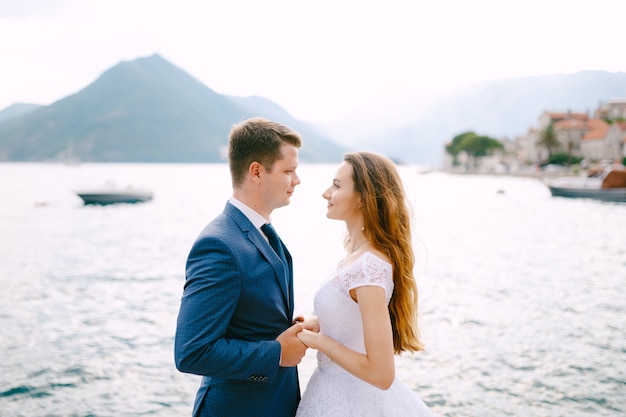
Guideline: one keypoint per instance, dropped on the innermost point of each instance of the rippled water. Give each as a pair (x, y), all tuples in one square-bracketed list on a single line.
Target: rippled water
[(522, 295)]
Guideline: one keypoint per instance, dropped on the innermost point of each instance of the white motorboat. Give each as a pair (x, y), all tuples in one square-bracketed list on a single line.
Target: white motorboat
[(608, 186)]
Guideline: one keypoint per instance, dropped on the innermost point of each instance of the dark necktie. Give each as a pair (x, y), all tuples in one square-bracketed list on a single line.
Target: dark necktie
[(272, 236)]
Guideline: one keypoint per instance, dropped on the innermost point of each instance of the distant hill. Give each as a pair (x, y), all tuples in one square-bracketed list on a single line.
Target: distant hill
[(145, 110), (148, 110), (17, 109), (502, 108)]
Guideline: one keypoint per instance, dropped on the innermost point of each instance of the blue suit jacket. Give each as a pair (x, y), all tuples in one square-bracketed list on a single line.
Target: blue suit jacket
[(238, 297)]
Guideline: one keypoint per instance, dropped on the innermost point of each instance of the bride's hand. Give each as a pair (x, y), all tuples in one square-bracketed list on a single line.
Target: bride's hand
[(309, 338), (312, 323)]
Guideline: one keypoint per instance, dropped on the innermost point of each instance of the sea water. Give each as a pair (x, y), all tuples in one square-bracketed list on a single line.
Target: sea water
[(521, 294)]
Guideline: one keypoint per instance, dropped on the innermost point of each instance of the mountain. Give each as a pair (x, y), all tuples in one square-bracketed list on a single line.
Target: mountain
[(501, 109), (145, 110), (149, 110), (270, 110), (17, 109)]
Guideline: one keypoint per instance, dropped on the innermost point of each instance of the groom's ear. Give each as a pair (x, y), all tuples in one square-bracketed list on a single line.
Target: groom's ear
[(254, 171)]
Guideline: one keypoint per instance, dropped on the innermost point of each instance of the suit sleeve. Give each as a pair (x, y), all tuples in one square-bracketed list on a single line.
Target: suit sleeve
[(210, 297)]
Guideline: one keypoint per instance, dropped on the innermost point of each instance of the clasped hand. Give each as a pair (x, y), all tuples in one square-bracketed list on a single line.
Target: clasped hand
[(293, 348)]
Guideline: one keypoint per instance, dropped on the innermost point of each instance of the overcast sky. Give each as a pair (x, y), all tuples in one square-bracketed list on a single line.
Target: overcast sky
[(321, 60)]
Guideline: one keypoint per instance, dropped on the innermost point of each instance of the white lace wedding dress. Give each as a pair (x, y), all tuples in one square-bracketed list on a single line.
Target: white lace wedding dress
[(333, 392)]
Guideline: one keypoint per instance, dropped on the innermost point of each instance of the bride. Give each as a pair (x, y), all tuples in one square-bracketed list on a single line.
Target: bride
[(367, 311)]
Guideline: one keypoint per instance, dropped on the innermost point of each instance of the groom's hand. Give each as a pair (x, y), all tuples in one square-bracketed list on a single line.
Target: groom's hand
[(292, 349), (312, 323)]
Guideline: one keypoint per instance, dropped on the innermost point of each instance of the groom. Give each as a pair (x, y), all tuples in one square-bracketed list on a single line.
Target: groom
[(235, 321)]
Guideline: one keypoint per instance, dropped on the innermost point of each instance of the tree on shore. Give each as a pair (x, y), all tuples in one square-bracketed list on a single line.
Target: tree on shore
[(473, 145), (548, 140)]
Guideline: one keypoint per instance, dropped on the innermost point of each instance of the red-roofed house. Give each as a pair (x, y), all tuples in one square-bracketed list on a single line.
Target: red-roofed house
[(598, 139), (554, 117), (593, 139), (569, 126), (604, 142), (570, 133)]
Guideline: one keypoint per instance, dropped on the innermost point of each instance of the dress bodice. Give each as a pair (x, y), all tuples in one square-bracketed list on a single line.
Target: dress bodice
[(332, 391), (338, 313)]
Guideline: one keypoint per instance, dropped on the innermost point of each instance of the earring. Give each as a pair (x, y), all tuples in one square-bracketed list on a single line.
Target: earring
[(362, 228)]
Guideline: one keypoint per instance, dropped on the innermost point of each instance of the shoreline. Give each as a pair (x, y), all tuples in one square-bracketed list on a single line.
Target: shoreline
[(540, 175)]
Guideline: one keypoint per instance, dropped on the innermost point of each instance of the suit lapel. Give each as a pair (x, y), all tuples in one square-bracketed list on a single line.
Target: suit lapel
[(283, 276)]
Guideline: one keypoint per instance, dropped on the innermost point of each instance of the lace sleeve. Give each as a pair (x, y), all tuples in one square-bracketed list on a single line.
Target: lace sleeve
[(369, 269)]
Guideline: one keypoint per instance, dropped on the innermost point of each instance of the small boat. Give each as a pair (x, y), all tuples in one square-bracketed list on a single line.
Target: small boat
[(610, 185), (104, 196), (608, 194)]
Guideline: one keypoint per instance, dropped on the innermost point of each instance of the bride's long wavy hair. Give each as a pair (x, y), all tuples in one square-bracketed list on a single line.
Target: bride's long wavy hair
[(388, 227)]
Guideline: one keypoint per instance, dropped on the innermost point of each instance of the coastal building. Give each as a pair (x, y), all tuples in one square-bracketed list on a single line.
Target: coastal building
[(612, 109), (554, 117), (527, 149), (606, 143), (600, 139), (569, 127)]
